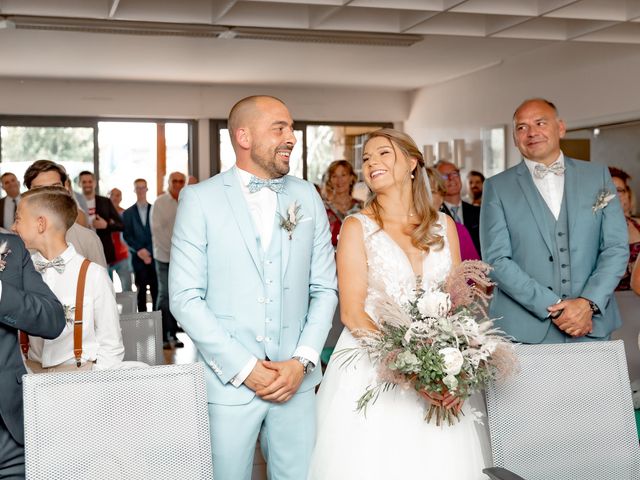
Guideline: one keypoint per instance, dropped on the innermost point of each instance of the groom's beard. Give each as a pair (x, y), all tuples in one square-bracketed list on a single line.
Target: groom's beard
[(272, 162)]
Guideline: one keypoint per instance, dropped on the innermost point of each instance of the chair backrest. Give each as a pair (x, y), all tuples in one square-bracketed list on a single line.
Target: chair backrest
[(142, 337), (629, 304), (566, 415), (140, 423), (127, 302)]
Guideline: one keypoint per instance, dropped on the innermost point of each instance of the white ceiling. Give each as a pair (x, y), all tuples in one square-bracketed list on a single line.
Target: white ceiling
[(204, 41)]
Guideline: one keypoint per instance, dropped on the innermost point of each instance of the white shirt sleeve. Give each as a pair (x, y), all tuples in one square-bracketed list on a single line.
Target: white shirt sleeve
[(242, 375), (107, 324)]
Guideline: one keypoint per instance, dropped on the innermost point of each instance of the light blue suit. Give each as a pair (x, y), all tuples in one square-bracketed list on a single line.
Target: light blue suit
[(225, 297), (537, 262)]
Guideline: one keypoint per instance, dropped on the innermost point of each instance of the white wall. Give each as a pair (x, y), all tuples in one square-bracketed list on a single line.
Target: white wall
[(201, 102), (590, 84)]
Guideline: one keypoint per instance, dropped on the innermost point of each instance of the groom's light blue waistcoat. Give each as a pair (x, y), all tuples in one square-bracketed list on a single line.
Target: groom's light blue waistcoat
[(236, 300), (538, 261)]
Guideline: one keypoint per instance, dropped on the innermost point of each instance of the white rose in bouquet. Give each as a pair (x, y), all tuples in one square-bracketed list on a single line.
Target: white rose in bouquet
[(434, 304), (453, 360)]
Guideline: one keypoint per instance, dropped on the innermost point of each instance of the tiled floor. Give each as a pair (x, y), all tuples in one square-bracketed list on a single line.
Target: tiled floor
[(188, 354)]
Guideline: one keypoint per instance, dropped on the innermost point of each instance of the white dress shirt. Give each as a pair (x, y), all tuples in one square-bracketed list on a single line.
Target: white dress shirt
[(10, 205), (262, 206), (163, 217), (101, 335), (551, 186)]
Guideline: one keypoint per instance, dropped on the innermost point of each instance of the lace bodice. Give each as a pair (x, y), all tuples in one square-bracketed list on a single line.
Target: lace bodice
[(389, 269)]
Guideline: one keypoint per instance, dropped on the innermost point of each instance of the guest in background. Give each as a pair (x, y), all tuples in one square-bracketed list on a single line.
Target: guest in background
[(438, 191), (192, 180), (621, 181), (163, 217), (45, 173), (475, 182), (339, 202), (9, 203), (454, 206), (102, 215), (137, 233), (122, 263), (635, 277), (42, 221), (556, 241), (83, 214)]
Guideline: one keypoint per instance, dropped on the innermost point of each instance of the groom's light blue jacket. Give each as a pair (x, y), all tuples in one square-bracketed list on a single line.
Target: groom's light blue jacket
[(518, 243), (221, 295)]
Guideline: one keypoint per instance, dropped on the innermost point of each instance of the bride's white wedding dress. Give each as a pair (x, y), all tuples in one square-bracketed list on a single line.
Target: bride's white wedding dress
[(393, 441)]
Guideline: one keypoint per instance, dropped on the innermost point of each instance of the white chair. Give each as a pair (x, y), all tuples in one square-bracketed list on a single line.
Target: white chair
[(127, 302), (138, 424), (629, 304), (142, 337), (566, 415)]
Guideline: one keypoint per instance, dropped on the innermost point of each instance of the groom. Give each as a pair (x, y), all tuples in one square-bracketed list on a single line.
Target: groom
[(553, 230), (253, 283)]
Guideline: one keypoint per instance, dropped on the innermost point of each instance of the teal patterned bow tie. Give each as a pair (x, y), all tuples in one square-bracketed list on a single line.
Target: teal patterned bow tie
[(275, 184), (57, 264), (540, 171)]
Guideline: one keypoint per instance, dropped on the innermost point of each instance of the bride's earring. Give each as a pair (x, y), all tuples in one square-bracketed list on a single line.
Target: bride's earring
[(412, 176)]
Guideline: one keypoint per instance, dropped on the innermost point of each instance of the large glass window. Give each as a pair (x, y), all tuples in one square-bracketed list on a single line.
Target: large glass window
[(70, 146)]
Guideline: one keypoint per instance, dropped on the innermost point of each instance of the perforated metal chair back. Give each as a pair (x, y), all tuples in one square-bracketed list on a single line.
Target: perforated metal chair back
[(142, 337), (567, 414), (140, 423), (127, 302)]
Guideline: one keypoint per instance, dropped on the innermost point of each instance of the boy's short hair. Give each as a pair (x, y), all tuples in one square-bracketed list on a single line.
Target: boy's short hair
[(42, 166), (56, 201)]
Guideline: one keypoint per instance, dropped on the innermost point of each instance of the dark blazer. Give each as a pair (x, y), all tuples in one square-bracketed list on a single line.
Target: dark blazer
[(136, 235), (2, 200), (471, 217), (26, 304), (106, 210)]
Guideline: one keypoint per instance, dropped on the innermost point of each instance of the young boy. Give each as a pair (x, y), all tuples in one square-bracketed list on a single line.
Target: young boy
[(42, 219)]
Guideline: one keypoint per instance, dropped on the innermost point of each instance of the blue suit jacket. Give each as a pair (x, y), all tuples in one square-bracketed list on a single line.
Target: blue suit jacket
[(26, 304), (517, 244), (215, 279), (136, 235)]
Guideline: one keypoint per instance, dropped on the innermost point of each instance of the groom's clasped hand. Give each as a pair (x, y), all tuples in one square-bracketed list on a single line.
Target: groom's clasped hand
[(275, 381)]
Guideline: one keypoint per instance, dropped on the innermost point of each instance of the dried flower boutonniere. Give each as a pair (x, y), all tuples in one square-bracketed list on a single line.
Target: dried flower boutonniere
[(4, 252), (602, 200), (69, 314), (289, 222)]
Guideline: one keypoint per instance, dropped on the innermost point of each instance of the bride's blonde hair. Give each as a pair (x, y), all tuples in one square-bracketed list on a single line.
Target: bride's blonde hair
[(423, 235)]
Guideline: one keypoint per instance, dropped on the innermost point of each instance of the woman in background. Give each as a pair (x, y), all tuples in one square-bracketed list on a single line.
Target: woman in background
[(338, 189), (621, 181)]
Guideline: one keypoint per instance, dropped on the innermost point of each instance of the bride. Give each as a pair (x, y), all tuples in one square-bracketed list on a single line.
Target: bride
[(397, 243)]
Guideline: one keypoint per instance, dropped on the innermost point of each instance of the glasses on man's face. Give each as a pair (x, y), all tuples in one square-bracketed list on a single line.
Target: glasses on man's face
[(451, 175)]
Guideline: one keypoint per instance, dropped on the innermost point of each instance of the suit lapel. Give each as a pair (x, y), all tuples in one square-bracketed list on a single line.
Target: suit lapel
[(242, 216), (284, 199), (571, 190), (535, 202)]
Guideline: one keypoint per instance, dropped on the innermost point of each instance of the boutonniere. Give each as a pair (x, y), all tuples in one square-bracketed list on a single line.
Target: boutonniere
[(289, 222), (69, 314), (602, 200), (4, 252)]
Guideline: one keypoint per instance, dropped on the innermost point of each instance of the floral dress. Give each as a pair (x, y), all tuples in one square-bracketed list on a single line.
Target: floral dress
[(634, 251)]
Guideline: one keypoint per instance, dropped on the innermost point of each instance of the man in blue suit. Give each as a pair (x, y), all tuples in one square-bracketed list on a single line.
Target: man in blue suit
[(253, 283), (553, 230), (137, 234), (27, 304)]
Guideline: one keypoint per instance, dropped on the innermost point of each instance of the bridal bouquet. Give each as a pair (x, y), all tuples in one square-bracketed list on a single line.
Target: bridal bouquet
[(440, 342)]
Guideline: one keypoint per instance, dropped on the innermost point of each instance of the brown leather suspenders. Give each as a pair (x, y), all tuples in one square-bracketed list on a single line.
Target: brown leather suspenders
[(77, 322)]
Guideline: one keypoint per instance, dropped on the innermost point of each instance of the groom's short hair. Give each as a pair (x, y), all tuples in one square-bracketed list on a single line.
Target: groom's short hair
[(240, 109)]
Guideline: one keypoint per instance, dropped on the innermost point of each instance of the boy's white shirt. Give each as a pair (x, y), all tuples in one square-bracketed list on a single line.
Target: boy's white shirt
[(101, 335)]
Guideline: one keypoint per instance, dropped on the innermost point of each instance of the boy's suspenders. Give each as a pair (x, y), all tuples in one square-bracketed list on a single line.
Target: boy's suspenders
[(77, 322)]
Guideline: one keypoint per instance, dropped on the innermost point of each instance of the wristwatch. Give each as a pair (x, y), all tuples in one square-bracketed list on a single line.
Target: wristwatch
[(594, 308), (307, 365)]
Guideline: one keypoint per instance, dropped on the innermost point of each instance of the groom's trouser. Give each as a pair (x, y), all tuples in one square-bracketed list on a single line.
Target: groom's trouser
[(11, 455), (287, 435)]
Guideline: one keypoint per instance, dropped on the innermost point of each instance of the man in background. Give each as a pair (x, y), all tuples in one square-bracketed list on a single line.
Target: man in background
[(9, 203), (137, 234), (475, 182), (163, 216), (103, 216)]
